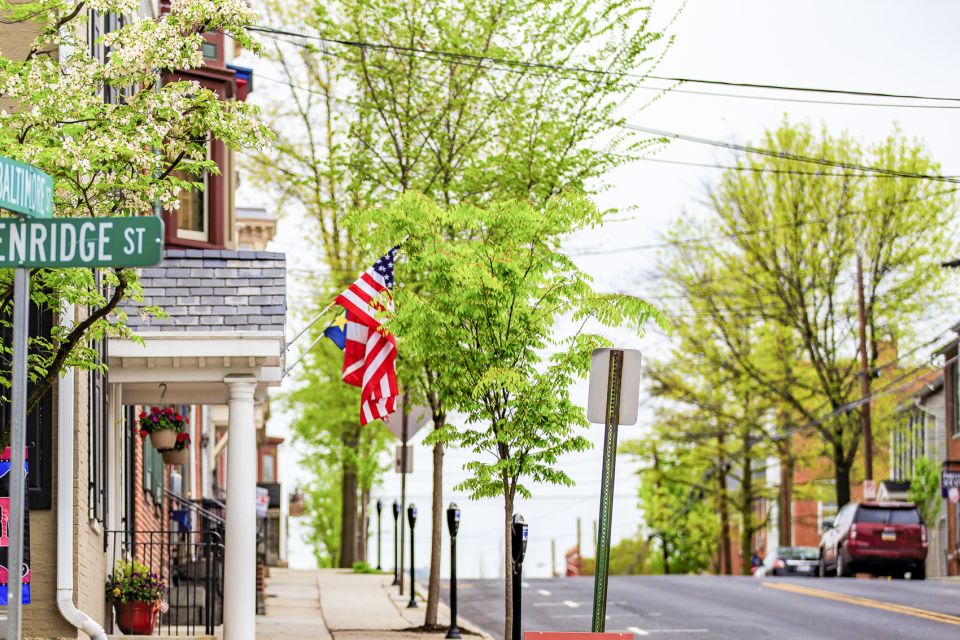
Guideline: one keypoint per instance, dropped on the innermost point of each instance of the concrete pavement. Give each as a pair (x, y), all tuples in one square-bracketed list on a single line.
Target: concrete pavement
[(337, 604)]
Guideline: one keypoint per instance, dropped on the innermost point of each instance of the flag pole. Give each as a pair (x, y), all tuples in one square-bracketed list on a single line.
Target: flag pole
[(307, 328)]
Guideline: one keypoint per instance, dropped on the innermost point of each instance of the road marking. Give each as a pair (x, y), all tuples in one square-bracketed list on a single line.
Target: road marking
[(525, 585), (571, 604), (637, 631), (543, 592), (925, 614)]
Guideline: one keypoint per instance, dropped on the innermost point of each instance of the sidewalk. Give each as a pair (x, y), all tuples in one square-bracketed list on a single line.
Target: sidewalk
[(342, 605)]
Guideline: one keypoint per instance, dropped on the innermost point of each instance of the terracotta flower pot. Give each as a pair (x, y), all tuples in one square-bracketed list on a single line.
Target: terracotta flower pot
[(136, 618), (176, 456), (164, 439)]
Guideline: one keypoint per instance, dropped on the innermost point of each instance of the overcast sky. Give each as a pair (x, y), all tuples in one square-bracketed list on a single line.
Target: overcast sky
[(866, 45)]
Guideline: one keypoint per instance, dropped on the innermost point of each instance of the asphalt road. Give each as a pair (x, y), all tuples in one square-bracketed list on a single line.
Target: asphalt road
[(734, 608)]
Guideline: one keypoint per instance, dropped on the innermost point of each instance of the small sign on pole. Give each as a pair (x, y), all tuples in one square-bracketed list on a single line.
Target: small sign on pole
[(398, 462), (869, 490), (614, 400)]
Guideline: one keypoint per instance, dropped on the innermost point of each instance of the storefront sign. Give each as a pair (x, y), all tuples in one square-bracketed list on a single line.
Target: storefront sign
[(25, 189), (135, 241), (4, 534), (263, 502)]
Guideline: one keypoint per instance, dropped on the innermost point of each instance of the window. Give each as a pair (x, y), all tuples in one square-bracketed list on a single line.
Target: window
[(193, 218), (267, 468), (209, 50), (954, 395), (152, 472)]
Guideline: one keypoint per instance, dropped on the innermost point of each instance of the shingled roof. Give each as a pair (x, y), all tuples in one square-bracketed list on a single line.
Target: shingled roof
[(213, 290)]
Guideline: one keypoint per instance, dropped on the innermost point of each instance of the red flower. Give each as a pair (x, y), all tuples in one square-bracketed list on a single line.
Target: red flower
[(154, 409), (143, 433), (178, 417), (187, 420), (143, 414), (168, 410)]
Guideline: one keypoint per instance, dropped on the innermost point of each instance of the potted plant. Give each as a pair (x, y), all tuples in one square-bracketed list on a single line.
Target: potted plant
[(162, 425), (180, 453), (137, 594)]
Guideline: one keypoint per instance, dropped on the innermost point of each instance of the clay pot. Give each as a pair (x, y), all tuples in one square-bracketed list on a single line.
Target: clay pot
[(136, 618), (164, 439), (176, 456)]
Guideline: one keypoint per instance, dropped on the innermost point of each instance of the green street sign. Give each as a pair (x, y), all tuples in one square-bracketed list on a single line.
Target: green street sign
[(81, 242), (25, 190)]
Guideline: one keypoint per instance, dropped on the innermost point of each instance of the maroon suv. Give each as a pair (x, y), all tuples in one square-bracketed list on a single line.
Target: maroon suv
[(885, 538)]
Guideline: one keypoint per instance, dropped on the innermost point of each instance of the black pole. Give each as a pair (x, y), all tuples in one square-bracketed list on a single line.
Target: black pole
[(396, 555), (453, 523), (379, 509), (412, 521), (519, 550)]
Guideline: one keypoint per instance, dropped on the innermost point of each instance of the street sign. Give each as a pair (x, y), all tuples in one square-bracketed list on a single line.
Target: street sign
[(629, 388), (263, 502), (949, 479), (869, 490), (398, 460), (614, 400), (135, 241), (25, 190), (417, 418)]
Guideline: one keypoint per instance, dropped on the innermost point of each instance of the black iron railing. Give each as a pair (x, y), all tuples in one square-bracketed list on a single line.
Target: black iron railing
[(191, 564)]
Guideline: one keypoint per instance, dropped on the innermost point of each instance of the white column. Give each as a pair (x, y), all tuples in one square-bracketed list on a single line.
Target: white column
[(240, 565)]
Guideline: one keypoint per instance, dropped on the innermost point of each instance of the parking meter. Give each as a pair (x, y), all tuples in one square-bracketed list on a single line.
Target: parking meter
[(453, 524), (379, 511), (396, 547), (412, 521), (453, 519), (518, 544)]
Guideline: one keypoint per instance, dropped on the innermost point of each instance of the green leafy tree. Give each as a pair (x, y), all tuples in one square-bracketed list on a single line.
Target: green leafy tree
[(775, 284), (925, 490), (364, 124), (490, 301), (109, 157)]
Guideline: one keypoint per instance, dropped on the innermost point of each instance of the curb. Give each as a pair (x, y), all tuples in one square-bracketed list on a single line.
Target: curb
[(464, 624)]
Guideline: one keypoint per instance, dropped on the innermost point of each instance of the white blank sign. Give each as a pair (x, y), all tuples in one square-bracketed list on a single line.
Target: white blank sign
[(417, 418), (629, 386)]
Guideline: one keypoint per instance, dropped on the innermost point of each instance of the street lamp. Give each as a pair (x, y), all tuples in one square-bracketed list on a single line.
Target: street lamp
[(453, 524), (379, 510), (412, 520), (396, 533)]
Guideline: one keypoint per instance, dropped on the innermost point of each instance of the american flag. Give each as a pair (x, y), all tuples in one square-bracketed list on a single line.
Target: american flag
[(370, 355)]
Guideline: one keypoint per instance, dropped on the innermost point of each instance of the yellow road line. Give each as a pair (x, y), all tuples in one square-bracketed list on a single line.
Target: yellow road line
[(925, 614)]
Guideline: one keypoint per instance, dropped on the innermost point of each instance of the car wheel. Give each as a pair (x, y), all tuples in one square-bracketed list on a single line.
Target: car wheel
[(822, 569), (919, 572), (843, 568)]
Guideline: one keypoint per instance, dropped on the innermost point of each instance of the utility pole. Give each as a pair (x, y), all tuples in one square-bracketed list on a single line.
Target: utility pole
[(579, 549), (553, 558), (864, 376)]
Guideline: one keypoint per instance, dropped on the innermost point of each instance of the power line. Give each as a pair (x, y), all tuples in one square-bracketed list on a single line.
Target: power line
[(789, 172), (529, 64), (753, 232), (784, 155)]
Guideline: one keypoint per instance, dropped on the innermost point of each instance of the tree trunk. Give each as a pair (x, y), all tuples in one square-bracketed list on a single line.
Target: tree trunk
[(508, 568), (433, 586), (785, 521), (746, 513), (665, 554), (348, 509), (726, 557), (363, 535), (841, 475)]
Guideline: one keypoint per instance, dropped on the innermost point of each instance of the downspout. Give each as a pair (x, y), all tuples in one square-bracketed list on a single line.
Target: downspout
[(65, 426)]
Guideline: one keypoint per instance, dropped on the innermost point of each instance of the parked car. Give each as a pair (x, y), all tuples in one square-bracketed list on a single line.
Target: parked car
[(882, 538), (790, 561)]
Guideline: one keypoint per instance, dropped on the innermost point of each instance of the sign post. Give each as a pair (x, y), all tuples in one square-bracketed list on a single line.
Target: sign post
[(37, 239), (614, 400)]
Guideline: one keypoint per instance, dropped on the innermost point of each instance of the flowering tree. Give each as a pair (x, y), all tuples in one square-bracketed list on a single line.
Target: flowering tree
[(112, 135)]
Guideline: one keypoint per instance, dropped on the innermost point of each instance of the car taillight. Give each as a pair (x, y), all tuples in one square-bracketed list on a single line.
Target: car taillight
[(853, 532), (923, 535), (778, 564)]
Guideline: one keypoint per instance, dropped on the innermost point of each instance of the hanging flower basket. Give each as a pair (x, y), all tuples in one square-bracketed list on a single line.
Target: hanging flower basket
[(179, 453), (162, 425), (176, 456)]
